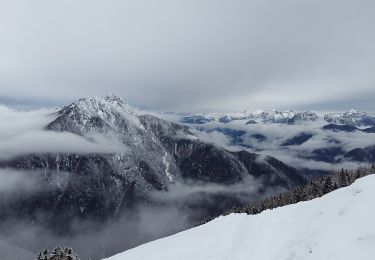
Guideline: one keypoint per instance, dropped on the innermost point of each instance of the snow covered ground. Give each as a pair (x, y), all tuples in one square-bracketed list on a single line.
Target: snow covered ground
[(338, 226)]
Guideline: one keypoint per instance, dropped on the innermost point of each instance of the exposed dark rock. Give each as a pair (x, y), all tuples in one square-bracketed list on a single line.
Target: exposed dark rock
[(369, 130), (298, 139), (340, 128), (325, 154), (366, 154), (251, 122), (259, 137), (196, 119)]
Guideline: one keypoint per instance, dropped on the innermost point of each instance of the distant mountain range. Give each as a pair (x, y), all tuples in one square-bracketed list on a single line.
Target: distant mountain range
[(352, 117), (334, 138)]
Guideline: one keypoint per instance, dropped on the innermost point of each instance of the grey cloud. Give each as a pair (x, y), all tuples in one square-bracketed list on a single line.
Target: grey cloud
[(16, 122), (21, 184), (51, 142), (214, 137), (189, 55), (249, 187), (23, 132), (11, 180)]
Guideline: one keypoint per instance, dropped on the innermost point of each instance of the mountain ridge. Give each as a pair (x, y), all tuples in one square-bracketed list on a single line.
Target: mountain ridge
[(101, 187), (289, 116)]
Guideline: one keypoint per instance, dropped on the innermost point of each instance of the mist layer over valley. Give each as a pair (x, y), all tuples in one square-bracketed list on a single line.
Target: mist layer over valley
[(102, 177)]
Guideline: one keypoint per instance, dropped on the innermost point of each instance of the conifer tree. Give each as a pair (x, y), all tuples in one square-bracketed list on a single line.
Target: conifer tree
[(58, 254)]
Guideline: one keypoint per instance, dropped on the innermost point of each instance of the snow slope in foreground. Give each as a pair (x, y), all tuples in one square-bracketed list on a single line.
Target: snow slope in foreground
[(339, 225)]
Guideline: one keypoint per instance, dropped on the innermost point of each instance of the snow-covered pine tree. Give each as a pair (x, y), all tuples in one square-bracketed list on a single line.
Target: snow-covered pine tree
[(43, 255), (58, 254), (328, 186)]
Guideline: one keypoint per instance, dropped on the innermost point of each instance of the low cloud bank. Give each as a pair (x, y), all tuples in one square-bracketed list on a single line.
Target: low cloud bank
[(22, 132), (268, 139)]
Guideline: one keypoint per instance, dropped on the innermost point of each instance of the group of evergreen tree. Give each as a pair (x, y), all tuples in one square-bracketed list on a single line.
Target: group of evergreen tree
[(57, 254), (315, 188)]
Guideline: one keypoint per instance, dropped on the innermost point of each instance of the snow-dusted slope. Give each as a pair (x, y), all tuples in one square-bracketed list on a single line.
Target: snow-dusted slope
[(338, 226)]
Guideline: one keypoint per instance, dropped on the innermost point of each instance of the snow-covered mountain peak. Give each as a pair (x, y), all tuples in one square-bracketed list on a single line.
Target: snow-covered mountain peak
[(352, 113), (113, 96), (288, 113), (351, 117), (105, 113), (286, 116), (355, 113), (107, 103)]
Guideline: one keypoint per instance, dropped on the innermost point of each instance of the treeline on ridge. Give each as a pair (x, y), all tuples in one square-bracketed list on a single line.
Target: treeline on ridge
[(315, 188)]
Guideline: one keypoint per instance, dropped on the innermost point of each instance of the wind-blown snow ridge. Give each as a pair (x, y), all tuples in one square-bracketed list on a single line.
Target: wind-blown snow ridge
[(337, 226)]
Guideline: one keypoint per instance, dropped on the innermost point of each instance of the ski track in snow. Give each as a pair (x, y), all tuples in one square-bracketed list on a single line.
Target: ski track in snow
[(337, 226)]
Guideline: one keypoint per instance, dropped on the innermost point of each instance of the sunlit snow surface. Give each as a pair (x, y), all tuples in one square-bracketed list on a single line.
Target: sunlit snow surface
[(338, 226)]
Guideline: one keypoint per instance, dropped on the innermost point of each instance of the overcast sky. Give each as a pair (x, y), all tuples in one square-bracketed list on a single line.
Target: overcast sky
[(189, 55)]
